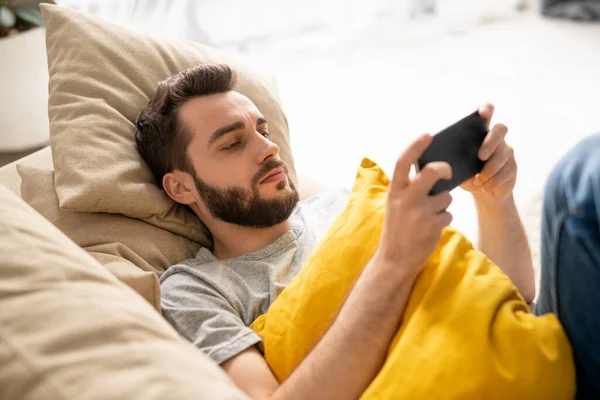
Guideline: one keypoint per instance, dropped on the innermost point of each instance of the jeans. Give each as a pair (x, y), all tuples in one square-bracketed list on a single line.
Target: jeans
[(570, 286)]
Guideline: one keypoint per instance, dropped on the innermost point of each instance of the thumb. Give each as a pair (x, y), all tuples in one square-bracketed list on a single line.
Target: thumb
[(409, 157)]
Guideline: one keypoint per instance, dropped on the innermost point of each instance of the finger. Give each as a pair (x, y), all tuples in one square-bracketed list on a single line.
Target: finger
[(498, 160), (440, 202), (486, 110), (443, 219), (429, 175), (492, 141), (471, 184), (409, 157), (506, 174)]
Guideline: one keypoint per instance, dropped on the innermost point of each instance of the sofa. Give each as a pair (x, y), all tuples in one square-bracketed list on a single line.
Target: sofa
[(70, 330), (85, 233)]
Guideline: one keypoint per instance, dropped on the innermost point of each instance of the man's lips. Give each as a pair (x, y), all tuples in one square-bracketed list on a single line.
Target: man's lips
[(275, 175)]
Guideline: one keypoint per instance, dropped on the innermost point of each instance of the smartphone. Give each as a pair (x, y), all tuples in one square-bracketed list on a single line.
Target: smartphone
[(458, 145)]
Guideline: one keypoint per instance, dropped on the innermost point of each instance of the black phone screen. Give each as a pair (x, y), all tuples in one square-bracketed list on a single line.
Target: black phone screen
[(457, 145)]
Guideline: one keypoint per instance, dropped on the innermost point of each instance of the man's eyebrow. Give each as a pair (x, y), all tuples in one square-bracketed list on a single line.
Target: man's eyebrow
[(224, 130), (260, 121)]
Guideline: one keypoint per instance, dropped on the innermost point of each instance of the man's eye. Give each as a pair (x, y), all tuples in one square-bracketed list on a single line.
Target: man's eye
[(232, 146), (265, 134)]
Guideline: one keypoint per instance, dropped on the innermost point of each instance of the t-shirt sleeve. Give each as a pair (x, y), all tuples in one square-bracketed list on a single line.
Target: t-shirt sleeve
[(200, 314)]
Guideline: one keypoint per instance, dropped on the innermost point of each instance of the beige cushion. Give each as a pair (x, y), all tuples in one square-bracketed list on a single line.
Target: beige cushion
[(118, 242), (145, 283), (9, 177), (101, 75), (70, 330)]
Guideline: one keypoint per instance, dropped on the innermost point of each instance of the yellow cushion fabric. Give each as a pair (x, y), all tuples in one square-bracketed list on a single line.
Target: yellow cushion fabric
[(466, 332), (101, 75)]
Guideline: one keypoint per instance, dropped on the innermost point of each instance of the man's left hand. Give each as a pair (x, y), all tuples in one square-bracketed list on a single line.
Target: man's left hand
[(497, 180)]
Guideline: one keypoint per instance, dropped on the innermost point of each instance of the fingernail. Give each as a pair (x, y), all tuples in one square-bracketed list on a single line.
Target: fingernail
[(476, 182), (483, 154)]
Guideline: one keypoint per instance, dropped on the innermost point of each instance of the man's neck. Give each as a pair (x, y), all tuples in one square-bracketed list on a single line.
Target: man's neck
[(232, 241)]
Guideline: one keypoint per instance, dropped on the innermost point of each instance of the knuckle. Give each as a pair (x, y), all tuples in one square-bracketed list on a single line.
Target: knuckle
[(396, 201), (443, 200), (439, 170), (429, 173), (399, 161), (429, 169), (448, 199), (434, 172), (487, 105), (399, 165), (444, 222), (446, 171)]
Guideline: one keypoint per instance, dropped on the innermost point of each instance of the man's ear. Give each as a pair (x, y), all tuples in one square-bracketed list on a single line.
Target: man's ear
[(180, 187)]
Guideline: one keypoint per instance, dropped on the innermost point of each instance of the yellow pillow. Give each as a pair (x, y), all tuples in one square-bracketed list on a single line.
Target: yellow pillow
[(466, 331)]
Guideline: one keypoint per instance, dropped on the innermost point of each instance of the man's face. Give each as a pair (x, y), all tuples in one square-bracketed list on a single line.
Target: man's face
[(239, 176)]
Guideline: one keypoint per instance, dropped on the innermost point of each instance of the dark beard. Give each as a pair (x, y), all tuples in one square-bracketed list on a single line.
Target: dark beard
[(241, 206)]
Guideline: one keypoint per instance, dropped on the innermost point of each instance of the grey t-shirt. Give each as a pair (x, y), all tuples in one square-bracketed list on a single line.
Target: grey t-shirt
[(213, 302)]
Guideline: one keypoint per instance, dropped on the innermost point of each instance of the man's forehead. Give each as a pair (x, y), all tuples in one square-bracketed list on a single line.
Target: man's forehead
[(218, 109), (208, 116)]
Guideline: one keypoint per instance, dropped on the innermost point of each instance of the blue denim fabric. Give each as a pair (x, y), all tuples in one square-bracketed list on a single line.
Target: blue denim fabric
[(570, 285)]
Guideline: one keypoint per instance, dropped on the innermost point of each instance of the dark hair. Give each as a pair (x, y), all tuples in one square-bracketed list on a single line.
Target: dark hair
[(160, 137)]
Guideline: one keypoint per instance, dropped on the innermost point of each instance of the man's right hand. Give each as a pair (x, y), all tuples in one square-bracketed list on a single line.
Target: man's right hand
[(414, 220)]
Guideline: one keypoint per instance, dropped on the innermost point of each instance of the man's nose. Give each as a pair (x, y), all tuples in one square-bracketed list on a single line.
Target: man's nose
[(268, 150)]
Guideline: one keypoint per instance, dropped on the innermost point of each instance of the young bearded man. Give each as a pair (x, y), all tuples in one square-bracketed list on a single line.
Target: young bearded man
[(208, 147)]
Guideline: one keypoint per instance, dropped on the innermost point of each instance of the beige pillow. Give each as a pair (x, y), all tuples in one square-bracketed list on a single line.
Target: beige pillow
[(70, 330), (136, 252), (101, 75), (145, 283)]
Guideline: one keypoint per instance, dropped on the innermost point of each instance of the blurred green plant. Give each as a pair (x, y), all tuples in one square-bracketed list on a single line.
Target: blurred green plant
[(19, 15)]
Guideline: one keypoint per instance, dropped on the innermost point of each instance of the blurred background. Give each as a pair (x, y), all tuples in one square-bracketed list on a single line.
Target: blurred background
[(363, 78)]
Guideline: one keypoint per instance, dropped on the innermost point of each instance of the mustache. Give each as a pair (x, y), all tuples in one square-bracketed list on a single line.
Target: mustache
[(267, 167)]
